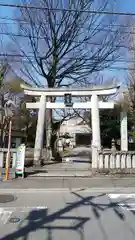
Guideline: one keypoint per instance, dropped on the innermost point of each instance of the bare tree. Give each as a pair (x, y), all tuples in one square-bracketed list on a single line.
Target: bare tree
[(128, 96), (3, 121), (7, 91), (63, 48)]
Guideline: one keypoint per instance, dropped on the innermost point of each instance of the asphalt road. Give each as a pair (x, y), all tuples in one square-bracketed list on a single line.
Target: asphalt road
[(76, 215), (79, 157)]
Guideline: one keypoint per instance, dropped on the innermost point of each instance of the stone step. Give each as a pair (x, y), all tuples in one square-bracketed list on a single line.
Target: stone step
[(64, 169), (61, 174)]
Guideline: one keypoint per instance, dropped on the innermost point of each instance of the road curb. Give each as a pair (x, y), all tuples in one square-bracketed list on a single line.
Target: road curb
[(56, 190), (59, 176)]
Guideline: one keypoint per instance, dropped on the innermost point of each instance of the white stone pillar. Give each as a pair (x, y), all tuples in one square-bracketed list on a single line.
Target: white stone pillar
[(40, 130), (96, 138), (124, 131)]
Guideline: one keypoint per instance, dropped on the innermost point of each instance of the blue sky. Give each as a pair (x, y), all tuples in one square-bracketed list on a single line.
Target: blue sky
[(125, 5)]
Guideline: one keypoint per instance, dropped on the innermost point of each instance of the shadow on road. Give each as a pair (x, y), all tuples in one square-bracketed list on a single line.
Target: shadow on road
[(40, 219)]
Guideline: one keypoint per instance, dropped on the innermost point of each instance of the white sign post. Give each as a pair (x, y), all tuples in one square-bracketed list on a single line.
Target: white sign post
[(20, 160)]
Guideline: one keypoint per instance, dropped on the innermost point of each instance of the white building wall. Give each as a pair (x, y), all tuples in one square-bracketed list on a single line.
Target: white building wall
[(71, 126)]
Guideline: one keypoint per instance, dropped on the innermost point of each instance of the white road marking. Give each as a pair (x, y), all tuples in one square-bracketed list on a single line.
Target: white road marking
[(5, 215), (22, 207), (6, 212), (122, 195), (127, 206), (34, 208)]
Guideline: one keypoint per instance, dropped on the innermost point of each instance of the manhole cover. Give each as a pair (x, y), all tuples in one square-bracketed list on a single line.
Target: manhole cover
[(4, 198), (14, 220)]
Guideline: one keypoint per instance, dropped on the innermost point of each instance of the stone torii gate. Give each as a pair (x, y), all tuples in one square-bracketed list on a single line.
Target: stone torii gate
[(94, 105)]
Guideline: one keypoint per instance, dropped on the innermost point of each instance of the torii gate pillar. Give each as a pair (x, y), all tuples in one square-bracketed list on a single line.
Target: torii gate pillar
[(40, 131), (96, 136)]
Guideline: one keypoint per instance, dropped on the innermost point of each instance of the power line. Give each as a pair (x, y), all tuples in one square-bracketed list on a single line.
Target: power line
[(26, 61), (19, 35), (29, 36), (32, 58), (120, 68), (25, 22), (66, 9), (100, 29), (64, 58), (90, 43), (106, 68), (13, 19)]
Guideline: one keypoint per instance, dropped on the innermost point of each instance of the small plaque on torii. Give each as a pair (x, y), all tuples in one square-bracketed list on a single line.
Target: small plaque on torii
[(68, 100)]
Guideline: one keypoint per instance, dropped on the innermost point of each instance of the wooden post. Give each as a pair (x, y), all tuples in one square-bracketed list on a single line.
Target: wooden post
[(8, 152)]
